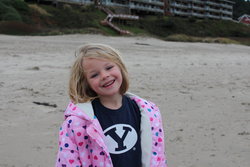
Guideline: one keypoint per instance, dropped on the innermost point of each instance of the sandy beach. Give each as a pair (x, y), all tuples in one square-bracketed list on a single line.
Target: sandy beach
[(203, 91)]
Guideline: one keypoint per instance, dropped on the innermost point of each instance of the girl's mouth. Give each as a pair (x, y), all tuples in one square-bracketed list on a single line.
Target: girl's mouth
[(108, 84)]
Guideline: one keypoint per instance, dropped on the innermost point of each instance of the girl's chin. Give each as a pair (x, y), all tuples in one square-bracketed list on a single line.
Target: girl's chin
[(110, 94)]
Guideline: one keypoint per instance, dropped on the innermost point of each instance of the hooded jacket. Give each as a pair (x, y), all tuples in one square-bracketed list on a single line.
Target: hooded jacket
[(81, 138)]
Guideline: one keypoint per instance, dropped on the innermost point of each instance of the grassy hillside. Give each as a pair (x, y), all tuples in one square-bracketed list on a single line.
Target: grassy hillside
[(20, 18), (35, 19)]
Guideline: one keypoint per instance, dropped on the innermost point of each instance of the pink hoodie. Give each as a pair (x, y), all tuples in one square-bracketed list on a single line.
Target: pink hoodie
[(81, 137)]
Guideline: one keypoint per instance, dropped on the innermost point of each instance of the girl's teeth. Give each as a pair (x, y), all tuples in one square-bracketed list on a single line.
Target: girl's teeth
[(110, 83)]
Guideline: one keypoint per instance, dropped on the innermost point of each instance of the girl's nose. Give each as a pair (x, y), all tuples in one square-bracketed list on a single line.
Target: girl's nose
[(104, 75)]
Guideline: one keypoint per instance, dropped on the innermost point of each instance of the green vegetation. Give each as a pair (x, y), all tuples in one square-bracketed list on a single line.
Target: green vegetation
[(165, 26), (183, 37), (14, 10), (21, 18)]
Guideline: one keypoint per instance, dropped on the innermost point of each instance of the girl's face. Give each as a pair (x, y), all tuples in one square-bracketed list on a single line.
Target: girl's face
[(103, 76)]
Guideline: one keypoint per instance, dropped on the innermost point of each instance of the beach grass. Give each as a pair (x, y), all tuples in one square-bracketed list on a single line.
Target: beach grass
[(187, 38)]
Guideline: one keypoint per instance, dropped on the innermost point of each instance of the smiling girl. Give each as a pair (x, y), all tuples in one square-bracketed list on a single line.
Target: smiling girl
[(105, 126)]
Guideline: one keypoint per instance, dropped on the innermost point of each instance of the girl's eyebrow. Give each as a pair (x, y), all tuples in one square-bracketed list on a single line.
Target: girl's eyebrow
[(90, 72), (93, 71), (110, 63)]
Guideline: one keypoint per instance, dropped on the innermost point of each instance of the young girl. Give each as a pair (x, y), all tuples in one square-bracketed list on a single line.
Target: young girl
[(104, 125)]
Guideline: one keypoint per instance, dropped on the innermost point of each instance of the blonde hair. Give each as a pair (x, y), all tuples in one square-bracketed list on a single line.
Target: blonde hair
[(79, 89)]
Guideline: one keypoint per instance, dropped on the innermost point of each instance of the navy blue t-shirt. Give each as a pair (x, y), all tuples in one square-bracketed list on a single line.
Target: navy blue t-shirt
[(122, 132)]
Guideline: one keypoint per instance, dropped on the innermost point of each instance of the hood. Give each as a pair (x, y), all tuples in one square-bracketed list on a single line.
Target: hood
[(82, 110)]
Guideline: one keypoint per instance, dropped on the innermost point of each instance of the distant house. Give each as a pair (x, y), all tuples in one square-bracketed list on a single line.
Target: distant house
[(245, 19), (140, 7), (212, 9)]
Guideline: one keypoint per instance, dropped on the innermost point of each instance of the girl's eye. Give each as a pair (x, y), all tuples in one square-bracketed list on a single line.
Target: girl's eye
[(109, 67), (93, 75)]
